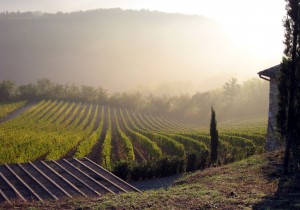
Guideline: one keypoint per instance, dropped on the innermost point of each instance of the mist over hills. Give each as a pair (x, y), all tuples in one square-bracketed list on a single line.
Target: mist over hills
[(118, 50)]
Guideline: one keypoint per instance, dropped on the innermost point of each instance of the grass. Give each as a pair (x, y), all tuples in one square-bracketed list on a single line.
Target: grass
[(253, 183)]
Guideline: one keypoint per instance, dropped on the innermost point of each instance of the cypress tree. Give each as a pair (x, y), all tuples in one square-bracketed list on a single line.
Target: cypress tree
[(289, 94), (214, 138)]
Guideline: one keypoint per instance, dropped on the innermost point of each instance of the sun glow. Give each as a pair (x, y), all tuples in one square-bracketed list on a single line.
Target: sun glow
[(253, 25)]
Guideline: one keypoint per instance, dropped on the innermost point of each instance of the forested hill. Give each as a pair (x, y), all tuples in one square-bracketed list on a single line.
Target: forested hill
[(114, 48)]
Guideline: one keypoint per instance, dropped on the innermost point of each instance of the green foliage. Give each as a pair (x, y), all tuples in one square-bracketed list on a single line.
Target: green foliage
[(35, 135), (153, 150), (7, 90), (123, 169), (56, 129), (190, 145), (231, 90), (258, 139), (289, 89), (162, 167), (87, 144), (205, 138), (214, 138), (195, 161), (106, 147), (246, 139), (7, 108), (127, 142), (168, 145), (241, 147), (195, 107), (283, 97), (76, 122)]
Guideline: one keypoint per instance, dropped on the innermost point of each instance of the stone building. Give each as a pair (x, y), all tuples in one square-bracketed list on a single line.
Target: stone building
[(272, 75)]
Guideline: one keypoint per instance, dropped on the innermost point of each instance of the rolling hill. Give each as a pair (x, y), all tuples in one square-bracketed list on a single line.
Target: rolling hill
[(113, 48)]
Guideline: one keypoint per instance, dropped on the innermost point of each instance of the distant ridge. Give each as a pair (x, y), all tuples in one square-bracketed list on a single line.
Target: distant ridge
[(113, 48)]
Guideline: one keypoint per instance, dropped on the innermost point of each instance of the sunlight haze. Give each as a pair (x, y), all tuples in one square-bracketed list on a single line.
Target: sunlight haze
[(253, 27), (253, 24)]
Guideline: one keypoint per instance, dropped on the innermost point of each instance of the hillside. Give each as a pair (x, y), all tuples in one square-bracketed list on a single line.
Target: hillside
[(52, 130), (116, 49), (78, 130), (251, 183)]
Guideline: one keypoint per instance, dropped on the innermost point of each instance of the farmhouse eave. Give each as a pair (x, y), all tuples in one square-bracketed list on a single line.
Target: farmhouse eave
[(270, 72)]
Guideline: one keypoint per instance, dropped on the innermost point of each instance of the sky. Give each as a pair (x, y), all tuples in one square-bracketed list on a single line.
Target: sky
[(253, 25)]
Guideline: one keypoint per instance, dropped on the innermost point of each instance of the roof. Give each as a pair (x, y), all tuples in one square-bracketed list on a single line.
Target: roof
[(58, 179), (270, 72)]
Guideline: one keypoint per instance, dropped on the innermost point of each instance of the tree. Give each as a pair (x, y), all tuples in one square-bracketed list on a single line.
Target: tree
[(73, 92), (102, 96), (58, 91), (231, 90), (44, 87), (28, 92), (289, 87), (180, 105), (7, 89), (214, 136), (158, 105), (88, 93), (131, 101)]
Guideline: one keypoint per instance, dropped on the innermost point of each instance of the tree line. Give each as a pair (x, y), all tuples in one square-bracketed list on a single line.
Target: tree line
[(232, 100)]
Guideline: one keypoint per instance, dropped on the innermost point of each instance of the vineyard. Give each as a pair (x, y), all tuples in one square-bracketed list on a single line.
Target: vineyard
[(10, 107), (52, 130)]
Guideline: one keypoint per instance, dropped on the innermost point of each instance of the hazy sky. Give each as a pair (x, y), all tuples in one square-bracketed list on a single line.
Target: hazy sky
[(254, 25)]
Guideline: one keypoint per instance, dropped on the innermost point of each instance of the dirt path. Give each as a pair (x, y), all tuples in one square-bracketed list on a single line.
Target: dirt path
[(17, 112)]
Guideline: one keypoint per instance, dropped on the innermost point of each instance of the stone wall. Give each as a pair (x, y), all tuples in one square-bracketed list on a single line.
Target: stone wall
[(272, 140)]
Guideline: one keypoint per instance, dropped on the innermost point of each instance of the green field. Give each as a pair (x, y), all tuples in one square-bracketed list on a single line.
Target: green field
[(52, 130), (7, 108)]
